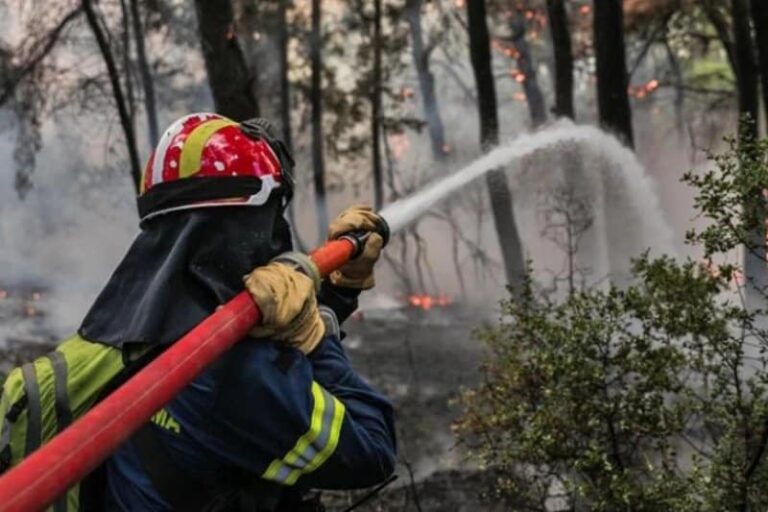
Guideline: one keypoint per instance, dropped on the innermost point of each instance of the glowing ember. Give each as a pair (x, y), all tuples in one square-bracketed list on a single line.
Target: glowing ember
[(518, 76), (427, 302), (407, 93), (711, 268), (446, 148), (585, 10), (459, 4), (400, 144), (642, 91)]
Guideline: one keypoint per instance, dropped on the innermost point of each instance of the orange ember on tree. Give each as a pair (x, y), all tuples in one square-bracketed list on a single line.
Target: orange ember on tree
[(518, 75), (641, 91), (584, 10)]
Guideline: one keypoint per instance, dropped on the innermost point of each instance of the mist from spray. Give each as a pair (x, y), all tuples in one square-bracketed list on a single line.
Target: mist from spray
[(629, 192)]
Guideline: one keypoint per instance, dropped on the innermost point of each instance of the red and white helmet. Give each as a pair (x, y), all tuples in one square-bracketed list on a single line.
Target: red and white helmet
[(206, 160)]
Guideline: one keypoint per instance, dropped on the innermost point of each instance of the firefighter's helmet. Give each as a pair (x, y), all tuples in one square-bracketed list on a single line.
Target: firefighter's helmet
[(206, 160)]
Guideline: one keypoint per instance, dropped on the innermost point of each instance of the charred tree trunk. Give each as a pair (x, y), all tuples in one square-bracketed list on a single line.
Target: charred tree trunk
[(285, 84), (612, 79), (498, 187), (285, 105), (561, 42), (421, 55), (746, 70), (533, 95), (316, 99), (747, 86), (125, 42), (147, 83), (378, 179), (117, 90), (228, 75), (760, 22)]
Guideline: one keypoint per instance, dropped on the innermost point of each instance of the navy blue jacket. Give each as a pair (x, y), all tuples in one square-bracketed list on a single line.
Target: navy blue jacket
[(301, 421)]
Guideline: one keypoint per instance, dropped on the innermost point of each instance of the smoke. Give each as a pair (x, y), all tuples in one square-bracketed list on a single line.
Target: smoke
[(70, 231), (624, 197)]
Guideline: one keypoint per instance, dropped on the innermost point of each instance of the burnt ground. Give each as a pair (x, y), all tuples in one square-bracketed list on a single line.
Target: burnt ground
[(420, 359)]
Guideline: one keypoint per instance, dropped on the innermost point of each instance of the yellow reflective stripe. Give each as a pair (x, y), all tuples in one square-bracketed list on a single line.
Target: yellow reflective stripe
[(163, 419), (315, 427), (5, 427), (316, 445), (333, 441), (192, 152)]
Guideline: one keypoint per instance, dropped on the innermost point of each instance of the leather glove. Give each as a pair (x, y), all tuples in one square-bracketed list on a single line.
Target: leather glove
[(357, 273), (286, 299)]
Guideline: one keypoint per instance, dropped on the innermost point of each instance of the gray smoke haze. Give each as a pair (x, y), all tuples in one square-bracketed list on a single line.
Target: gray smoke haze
[(75, 225)]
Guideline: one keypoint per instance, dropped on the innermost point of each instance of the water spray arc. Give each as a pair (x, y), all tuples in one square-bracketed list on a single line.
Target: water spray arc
[(70, 456)]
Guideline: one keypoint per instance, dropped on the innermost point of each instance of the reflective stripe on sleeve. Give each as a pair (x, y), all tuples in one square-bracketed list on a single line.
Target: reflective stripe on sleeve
[(5, 427), (316, 445), (34, 413), (60, 371)]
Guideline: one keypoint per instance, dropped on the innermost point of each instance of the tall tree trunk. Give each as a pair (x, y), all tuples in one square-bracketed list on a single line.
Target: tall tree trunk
[(228, 75), (117, 90), (498, 186), (747, 85), (421, 56), (612, 79), (285, 105), (316, 99), (285, 84), (760, 22), (533, 94), (125, 42), (561, 42), (147, 83), (378, 178)]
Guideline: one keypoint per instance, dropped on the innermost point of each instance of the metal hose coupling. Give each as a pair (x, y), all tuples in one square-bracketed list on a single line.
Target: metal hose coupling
[(358, 238)]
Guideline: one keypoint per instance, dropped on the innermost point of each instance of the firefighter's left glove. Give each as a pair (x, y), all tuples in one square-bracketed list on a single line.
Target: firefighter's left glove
[(357, 273), (286, 299)]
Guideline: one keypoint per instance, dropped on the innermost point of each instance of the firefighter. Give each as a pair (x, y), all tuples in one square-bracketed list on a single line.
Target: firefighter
[(283, 411)]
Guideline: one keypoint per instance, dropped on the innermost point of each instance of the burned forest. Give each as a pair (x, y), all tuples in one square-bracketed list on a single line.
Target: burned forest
[(384, 255)]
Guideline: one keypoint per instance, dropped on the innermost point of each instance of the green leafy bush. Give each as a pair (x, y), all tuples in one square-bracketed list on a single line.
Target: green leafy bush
[(651, 397)]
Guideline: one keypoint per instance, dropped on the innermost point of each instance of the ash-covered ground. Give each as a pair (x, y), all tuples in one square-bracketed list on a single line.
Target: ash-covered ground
[(421, 359)]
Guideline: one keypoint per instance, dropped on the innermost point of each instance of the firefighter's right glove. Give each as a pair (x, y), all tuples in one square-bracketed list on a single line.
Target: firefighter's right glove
[(357, 273), (286, 299)]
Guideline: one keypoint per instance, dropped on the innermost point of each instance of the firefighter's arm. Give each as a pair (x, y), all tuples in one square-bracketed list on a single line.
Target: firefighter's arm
[(367, 447), (297, 420)]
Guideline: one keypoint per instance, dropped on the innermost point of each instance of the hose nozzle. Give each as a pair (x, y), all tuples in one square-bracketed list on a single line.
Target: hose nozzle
[(358, 238)]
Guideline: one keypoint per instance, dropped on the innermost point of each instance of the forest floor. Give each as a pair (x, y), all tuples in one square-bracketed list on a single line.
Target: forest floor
[(421, 360)]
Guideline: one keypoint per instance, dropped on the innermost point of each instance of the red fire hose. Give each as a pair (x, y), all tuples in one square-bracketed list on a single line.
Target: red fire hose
[(50, 471)]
